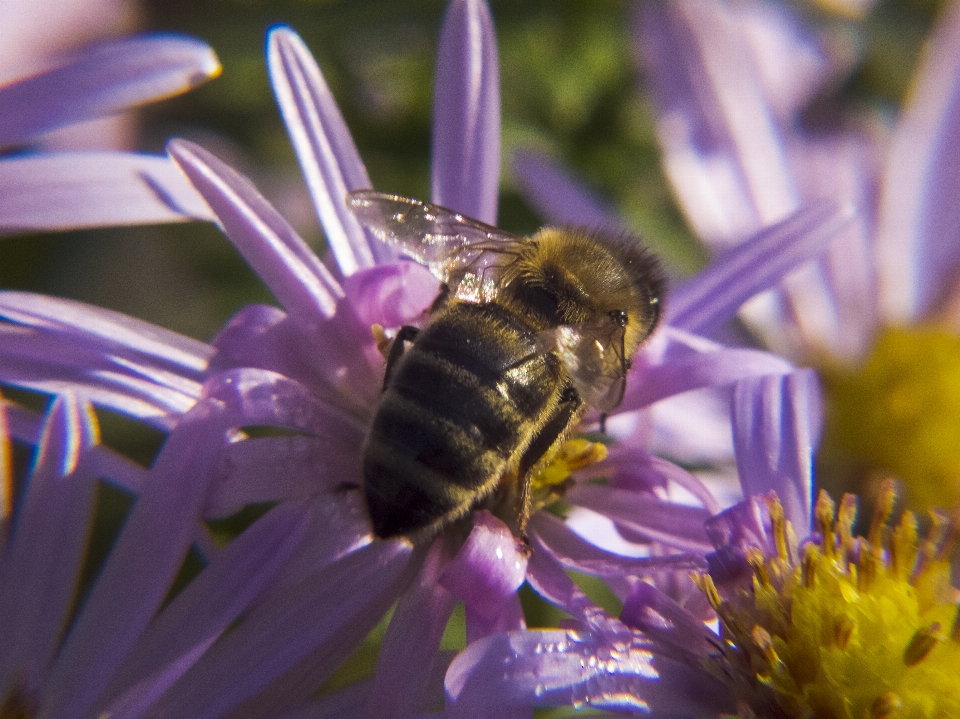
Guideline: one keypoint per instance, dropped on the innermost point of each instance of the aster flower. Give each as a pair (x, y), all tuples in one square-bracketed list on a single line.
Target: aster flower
[(877, 313), (114, 649), (61, 190), (313, 369), (833, 625)]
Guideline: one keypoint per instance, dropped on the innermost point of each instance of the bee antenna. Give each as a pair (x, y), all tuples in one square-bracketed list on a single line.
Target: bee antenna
[(603, 423)]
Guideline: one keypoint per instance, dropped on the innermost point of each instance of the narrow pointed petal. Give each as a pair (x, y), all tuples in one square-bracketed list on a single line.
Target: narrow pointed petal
[(710, 369), (919, 213), (723, 149), (141, 566), (104, 80), (673, 524), (558, 197), (776, 425), (205, 609), (124, 335), (328, 158), (70, 190), (42, 566), (277, 254), (575, 552), (466, 113), (522, 670), (486, 573), (411, 646), (348, 598), (710, 298)]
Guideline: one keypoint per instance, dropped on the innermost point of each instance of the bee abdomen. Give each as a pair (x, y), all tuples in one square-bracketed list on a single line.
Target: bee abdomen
[(453, 418)]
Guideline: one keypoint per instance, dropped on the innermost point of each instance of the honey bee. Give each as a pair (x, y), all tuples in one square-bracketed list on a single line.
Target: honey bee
[(525, 334)]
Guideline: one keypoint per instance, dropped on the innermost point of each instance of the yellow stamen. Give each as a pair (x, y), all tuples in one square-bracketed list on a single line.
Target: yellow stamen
[(854, 629)]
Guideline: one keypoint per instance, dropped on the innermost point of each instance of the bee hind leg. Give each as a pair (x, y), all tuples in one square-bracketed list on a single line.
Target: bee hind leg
[(540, 447)]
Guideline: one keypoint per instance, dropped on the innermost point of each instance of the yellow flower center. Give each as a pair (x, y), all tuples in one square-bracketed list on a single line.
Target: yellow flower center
[(897, 413), (551, 482), (850, 628)]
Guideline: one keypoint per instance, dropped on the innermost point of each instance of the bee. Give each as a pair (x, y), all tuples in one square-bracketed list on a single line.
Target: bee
[(525, 334)]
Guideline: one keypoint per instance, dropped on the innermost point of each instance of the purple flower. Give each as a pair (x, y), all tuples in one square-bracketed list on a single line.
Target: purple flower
[(117, 648), (877, 313), (313, 369), (834, 625), (62, 190)]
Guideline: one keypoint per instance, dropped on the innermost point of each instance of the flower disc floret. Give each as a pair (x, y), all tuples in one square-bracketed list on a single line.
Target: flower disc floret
[(845, 627), (897, 412)]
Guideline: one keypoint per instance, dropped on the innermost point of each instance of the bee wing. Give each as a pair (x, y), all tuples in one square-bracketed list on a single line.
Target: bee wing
[(593, 354), (442, 239)]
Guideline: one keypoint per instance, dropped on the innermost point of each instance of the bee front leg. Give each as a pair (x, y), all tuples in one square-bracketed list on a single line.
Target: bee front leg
[(541, 446)]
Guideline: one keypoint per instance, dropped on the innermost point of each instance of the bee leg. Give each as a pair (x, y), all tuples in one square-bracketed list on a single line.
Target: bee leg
[(603, 423), (441, 298), (407, 333), (541, 444)]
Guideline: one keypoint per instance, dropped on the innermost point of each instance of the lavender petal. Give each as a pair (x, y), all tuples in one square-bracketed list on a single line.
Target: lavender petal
[(711, 368), (486, 573), (142, 564), (466, 114), (575, 552), (522, 670), (45, 555), (204, 610), (104, 80), (558, 197), (328, 158), (351, 596), (279, 256), (672, 524), (916, 235), (69, 190), (705, 301), (776, 425), (411, 646), (723, 148)]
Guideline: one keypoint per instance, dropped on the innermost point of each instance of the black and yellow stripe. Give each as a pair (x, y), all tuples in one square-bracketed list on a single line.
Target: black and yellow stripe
[(461, 406)]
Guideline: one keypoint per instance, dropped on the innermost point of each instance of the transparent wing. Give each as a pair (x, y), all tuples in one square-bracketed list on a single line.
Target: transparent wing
[(448, 243), (593, 354)]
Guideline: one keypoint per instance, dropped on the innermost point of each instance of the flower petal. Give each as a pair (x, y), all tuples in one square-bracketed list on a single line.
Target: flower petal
[(713, 296), (141, 566), (486, 573), (204, 610), (45, 555), (575, 552), (466, 113), (411, 646), (723, 150), (919, 213), (274, 250), (104, 79), (70, 190), (673, 524), (349, 596), (522, 670), (711, 368), (558, 196), (776, 425), (328, 158)]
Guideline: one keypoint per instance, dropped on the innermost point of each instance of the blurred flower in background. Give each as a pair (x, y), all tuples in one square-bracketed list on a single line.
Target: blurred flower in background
[(750, 130)]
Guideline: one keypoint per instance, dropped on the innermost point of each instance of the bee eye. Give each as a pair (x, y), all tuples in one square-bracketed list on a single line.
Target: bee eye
[(619, 316)]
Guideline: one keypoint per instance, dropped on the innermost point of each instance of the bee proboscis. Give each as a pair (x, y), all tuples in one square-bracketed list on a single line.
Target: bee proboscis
[(526, 333)]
